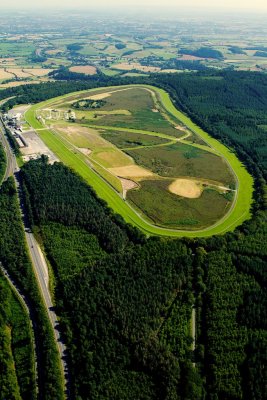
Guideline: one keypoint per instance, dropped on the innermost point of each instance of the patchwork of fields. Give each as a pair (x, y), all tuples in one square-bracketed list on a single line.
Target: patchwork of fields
[(155, 167)]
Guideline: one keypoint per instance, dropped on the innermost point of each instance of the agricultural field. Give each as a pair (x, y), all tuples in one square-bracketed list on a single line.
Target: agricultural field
[(9, 73), (122, 48), (84, 69), (131, 139)]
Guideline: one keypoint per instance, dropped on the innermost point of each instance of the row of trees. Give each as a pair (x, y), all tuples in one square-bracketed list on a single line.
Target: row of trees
[(2, 162)]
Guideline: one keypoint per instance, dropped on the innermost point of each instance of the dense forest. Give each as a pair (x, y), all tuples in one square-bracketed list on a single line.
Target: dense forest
[(128, 286), (126, 301), (173, 63), (203, 52), (15, 259), (230, 275), (232, 106), (135, 300), (17, 378)]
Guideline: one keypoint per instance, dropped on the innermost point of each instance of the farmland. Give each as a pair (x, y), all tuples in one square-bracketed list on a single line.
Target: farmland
[(123, 52), (106, 144), (83, 69)]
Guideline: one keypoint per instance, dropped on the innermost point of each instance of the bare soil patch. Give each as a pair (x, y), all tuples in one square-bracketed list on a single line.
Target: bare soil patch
[(85, 151), (181, 128), (81, 136), (84, 69), (186, 188), (131, 171), (127, 184)]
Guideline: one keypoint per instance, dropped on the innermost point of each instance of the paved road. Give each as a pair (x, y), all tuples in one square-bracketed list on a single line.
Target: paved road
[(38, 260), (41, 272)]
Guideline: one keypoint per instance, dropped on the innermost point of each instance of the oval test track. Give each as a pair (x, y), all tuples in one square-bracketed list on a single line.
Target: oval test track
[(238, 213)]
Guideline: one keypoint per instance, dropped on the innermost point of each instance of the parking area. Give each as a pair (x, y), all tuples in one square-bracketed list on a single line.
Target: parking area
[(35, 148)]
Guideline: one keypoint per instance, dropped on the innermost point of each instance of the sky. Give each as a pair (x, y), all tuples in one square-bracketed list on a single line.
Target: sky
[(138, 4)]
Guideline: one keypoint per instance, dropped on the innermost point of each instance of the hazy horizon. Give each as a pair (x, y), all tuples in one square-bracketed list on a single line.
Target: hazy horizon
[(230, 5)]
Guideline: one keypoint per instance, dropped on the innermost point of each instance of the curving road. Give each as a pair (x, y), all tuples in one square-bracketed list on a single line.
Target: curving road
[(36, 255)]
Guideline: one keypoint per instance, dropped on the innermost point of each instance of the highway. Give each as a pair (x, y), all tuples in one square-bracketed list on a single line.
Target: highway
[(38, 260)]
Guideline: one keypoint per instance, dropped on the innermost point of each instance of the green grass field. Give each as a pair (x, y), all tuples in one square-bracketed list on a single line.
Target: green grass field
[(183, 160), (171, 211), (238, 212), (16, 49), (132, 139), (142, 113)]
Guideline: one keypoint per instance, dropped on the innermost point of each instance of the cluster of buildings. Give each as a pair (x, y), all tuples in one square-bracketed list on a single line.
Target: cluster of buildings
[(13, 123)]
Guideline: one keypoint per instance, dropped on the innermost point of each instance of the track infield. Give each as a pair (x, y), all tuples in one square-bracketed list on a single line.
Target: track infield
[(238, 213)]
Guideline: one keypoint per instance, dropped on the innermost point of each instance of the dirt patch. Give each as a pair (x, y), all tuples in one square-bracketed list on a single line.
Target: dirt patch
[(181, 128), (186, 188), (82, 137), (19, 109), (84, 69), (73, 130), (85, 151), (131, 171), (127, 184)]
